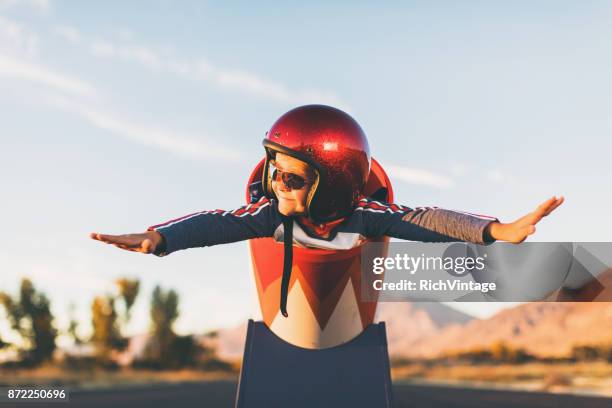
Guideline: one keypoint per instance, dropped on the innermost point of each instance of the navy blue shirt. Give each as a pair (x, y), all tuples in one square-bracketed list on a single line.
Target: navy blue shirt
[(369, 219)]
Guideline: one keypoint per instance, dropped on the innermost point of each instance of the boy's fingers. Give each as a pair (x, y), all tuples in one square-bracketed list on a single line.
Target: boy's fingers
[(546, 208), (129, 242), (118, 239), (542, 210), (101, 237), (545, 205), (105, 238), (555, 205)]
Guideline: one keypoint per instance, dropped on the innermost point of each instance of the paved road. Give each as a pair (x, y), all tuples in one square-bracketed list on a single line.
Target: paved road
[(221, 394)]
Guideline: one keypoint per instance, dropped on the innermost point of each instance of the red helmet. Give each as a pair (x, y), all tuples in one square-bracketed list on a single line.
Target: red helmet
[(334, 144)]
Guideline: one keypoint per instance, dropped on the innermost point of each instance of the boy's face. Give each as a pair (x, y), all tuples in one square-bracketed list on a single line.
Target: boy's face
[(291, 201)]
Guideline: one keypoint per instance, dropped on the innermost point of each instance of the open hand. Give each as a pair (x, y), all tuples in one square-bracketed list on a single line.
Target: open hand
[(520, 229), (145, 242)]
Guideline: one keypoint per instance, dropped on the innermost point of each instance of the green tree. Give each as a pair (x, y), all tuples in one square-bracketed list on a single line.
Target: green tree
[(3, 302), (590, 352), (106, 335), (3, 344), (73, 326), (128, 291), (109, 325), (30, 316), (164, 312), (165, 348)]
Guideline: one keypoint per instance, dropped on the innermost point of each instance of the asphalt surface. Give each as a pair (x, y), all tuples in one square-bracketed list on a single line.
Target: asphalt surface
[(222, 394)]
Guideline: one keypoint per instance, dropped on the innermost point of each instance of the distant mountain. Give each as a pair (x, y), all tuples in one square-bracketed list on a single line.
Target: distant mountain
[(410, 322), (541, 328)]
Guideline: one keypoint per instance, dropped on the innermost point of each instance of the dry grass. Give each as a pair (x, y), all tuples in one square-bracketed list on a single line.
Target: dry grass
[(593, 377), (86, 378)]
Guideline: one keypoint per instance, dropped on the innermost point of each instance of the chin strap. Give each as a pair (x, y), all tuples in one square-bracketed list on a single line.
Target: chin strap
[(287, 261)]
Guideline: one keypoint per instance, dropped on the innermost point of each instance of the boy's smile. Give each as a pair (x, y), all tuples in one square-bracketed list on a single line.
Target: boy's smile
[(291, 201)]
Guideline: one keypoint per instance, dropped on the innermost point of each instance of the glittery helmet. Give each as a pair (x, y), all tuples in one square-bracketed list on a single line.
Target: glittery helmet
[(334, 145)]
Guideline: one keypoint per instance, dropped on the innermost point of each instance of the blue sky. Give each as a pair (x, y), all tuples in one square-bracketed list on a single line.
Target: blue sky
[(119, 115)]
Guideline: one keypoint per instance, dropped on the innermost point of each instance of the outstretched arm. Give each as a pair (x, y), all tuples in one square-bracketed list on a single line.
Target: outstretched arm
[(425, 224), (205, 228), (433, 224)]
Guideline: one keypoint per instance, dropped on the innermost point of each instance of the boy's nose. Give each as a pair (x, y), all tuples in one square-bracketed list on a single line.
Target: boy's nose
[(282, 186)]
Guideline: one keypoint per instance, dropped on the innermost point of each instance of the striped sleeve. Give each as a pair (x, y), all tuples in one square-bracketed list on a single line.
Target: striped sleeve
[(213, 227), (425, 224)]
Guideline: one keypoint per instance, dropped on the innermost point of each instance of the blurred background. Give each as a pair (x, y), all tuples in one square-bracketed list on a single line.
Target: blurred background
[(119, 115)]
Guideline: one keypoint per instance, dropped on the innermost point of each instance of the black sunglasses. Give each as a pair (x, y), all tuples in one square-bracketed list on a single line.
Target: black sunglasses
[(290, 180)]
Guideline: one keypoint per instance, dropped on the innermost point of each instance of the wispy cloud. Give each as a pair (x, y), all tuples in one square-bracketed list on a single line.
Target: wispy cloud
[(18, 51), (196, 69), (460, 169), (33, 72), (17, 39), (68, 33), (202, 70), (494, 175), (186, 145), (499, 176), (73, 95), (38, 5), (142, 55), (419, 176)]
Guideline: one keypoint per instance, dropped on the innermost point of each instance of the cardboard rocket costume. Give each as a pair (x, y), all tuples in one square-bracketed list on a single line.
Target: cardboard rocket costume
[(307, 268)]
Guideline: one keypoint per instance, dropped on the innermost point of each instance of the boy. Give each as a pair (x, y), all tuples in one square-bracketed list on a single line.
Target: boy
[(317, 165)]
